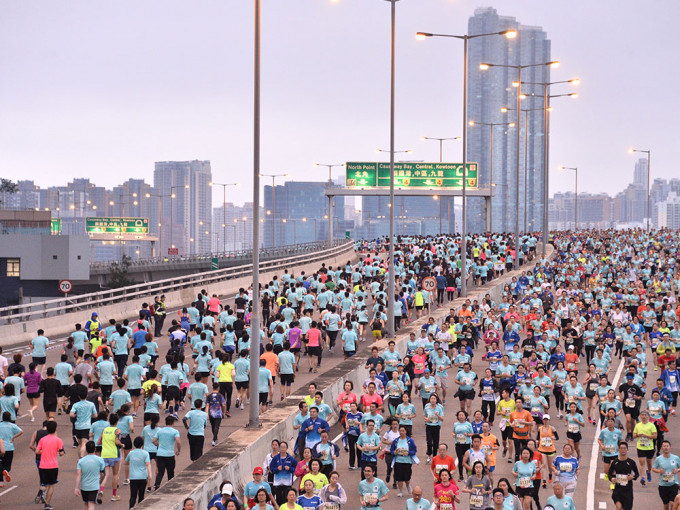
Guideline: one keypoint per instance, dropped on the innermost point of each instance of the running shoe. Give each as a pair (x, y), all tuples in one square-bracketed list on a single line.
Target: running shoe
[(100, 496), (7, 477)]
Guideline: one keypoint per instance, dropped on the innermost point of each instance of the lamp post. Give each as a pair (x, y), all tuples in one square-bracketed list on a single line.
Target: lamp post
[(575, 193), (546, 150), (273, 213), (510, 34), (224, 211), (491, 125), (649, 207), (330, 198), (518, 68), (441, 143)]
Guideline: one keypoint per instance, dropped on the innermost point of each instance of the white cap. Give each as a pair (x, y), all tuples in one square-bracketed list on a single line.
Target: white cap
[(228, 489), (546, 416)]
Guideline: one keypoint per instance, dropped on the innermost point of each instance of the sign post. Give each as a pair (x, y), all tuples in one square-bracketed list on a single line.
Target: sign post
[(65, 286)]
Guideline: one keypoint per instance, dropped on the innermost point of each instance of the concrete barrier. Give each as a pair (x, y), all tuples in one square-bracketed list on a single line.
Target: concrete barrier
[(61, 325), (236, 457)]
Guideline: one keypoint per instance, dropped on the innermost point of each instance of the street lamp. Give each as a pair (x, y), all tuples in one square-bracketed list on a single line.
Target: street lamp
[(408, 151), (441, 143), (224, 211), (273, 210), (575, 193), (491, 125), (510, 34), (649, 156), (330, 198), (546, 148), (519, 67)]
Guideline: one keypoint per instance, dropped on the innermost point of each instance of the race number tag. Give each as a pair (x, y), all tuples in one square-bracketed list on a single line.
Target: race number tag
[(668, 477), (460, 438), (547, 442), (565, 467), (525, 482), (371, 499), (573, 428), (476, 501), (622, 479)]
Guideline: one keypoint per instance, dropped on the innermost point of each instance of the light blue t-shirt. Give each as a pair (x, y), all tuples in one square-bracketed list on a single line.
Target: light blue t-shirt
[(134, 374), (241, 368), (423, 504), (40, 344), (106, 369), (166, 441), (62, 371), (83, 410), (286, 360), (79, 338), (119, 398), (523, 471), (90, 468), (350, 339), (148, 434), (7, 431), (265, 379), (668, 465), (566, 503), (198, 419), (377, 490), (137, 459)]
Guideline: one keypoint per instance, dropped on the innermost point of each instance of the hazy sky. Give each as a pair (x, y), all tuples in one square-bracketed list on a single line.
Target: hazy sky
[(103, 89)]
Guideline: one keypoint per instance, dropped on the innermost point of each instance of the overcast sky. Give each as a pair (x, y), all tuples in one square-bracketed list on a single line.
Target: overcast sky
[(102, 89)]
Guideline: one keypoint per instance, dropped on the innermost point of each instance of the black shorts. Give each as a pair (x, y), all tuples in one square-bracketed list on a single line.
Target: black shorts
[(574, 436), (667, 493), (89, 496), (294, 350), (418, 307), (402, 472), (607, 459), (466, 395), (633, 412), (287, 379), (264, 398), (525, 491), (81, 352), (241, 385), (50, 406), (314, 351), (61, 390), (147, 416), (135, 392), (349, 354), (48, 476), (39, 360), (33, 395), (82, 433), (127, 442), (173, 393), (507, 433), (625, 498), (646, 454), (202, 374), (152, 455)]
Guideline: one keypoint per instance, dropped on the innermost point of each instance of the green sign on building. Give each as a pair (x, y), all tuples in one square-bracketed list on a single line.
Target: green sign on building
[(55, 227), (214, 264), (117, 225), (410, 175)]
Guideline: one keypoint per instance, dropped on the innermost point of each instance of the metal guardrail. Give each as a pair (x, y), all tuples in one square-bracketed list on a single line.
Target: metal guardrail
[(206, 257), (60, 306)]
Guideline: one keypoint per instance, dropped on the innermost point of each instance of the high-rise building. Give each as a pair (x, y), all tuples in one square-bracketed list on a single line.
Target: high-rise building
[(668, 212), (640, 173), (189, 213), (488, 92)]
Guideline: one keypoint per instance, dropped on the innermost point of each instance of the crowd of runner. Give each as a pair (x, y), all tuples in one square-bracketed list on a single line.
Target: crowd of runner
[(550, 350)]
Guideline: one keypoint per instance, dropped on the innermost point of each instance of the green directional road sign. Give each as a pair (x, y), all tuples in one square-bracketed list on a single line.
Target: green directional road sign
[(410, 175), (55, 226), (117, 225), (214, 264)]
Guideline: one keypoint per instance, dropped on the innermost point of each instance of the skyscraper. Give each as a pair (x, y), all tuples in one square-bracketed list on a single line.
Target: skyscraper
[(640, 173), (488, 92), (189, 214)]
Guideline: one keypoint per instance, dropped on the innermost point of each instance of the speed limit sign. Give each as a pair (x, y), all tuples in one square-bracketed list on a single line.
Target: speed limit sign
[(65, 286), (429, 283)]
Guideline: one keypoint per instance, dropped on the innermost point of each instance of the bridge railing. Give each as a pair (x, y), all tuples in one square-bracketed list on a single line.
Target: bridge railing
[(174, 260), (78, 303)]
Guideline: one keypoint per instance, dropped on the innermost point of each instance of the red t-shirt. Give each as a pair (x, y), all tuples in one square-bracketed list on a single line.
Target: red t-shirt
[(367, 400), (438, 464), (50, 446)]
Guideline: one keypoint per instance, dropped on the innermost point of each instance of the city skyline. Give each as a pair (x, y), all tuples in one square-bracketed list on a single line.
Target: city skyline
[(90, 105)]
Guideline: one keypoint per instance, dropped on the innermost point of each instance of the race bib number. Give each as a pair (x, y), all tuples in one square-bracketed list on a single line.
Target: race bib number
[(599, 371), (645, 442), (573, 428), (630, 402), (565, 467), (571, 366), (439, 467), (429, 389), (476, 501), (609, 450), (401, 451), (525, 482), (546, 442), (420, 366), (668, 477), (535, 410), (346, 407), (488, 390), (433, 419), (671, 379), (445, 506), (622, 479), (460, 438), (394, 392), (371, 499)]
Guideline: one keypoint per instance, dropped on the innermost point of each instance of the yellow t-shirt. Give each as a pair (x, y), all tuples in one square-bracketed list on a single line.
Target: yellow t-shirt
[(506, 407), (109, 447), (225, 370), (645, 443), (320, 481), (147, 384)]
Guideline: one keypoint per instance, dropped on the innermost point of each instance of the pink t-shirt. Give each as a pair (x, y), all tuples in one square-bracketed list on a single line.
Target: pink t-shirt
[(313, 335), (50, 446), (214, 305)]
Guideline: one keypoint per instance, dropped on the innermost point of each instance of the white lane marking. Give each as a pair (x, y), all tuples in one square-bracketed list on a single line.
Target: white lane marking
[(602, 505), (8, 490), (337, 437), (592, 470)]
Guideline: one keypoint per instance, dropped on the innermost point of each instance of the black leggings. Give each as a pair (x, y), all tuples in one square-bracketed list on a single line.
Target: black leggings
[(353, 453), (460, 453), (450, 294), (226, 389), (440, 296), (280, 493), (388, 464), (519, 444), (489, 410), (590, 352), (215, 426), (163, 464), (559, 398), (537, 485), (432, 437), (137, 489), (7, 461), (195, 446)]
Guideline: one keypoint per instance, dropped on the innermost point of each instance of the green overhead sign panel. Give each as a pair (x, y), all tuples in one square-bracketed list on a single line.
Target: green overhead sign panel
[(55, 226), (117, 225), (410, 175)]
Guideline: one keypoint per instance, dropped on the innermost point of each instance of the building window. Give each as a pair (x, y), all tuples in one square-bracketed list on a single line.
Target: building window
[(13, 267)]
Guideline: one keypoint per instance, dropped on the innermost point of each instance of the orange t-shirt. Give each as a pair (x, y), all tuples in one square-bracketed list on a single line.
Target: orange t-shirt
[(521, 432), (271, 359), (438, 464), (570, 361), (488, 442)]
